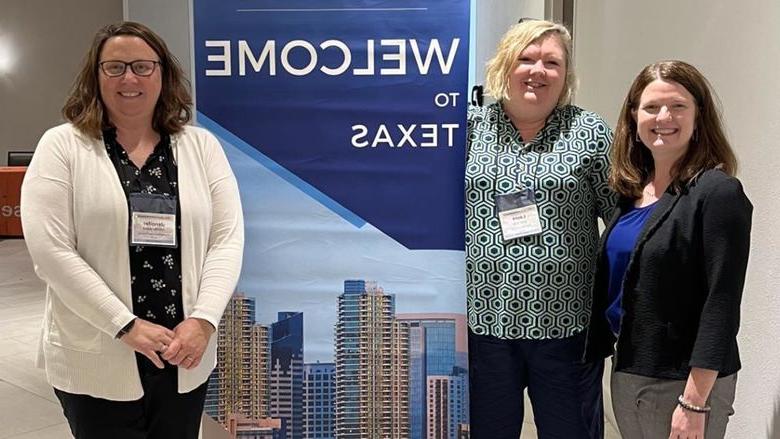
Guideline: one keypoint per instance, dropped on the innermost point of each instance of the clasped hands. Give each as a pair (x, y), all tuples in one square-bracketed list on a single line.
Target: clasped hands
[(183, 346)]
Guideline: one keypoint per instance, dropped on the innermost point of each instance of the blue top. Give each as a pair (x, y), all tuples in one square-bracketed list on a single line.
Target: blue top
[(620, 245)]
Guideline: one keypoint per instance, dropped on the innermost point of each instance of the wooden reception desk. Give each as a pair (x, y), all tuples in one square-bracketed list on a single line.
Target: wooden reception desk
[(10, 190)]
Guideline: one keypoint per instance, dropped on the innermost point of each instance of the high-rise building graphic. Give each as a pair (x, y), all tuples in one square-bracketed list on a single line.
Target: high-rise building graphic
[(238, 385), (286, 372), (394, 375), (260, 352), (372, 370), (438, 415), (211, 406), (417, 381), (319, 390), (437, 347), (447, 408)]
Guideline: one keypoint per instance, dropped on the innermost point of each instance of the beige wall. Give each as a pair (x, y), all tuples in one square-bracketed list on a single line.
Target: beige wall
[(493, 18), (737, 46), (47, 40), (170, 19)]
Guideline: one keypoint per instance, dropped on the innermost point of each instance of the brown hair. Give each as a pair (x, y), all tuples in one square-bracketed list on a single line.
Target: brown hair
[(632, 162), (84, 107), (515, 40)]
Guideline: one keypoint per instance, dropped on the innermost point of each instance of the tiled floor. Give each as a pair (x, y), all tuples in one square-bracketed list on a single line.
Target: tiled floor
[(28, 407)]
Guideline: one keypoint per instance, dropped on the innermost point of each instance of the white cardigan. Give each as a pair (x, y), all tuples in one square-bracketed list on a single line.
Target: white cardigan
[(75, 221)]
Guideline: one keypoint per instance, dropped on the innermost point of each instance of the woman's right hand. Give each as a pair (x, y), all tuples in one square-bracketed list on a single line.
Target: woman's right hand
[(149, 339)]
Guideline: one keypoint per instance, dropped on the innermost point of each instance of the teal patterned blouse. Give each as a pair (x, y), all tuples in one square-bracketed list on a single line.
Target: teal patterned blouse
[(535, 287)]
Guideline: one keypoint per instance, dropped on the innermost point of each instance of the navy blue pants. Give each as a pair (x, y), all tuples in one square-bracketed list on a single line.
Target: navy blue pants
[(565, 394)]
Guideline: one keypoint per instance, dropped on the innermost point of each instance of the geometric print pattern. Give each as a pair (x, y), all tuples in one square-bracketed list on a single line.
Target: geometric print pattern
[(539, 286)]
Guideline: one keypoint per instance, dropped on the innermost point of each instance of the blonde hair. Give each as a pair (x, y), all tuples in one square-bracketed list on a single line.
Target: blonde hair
[(514, 41)]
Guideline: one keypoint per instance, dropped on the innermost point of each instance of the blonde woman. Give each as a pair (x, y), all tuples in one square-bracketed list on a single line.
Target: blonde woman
[(536, 182)]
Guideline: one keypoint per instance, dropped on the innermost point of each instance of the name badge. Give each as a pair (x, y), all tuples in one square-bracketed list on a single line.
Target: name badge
[(518, 214), (153, 220)]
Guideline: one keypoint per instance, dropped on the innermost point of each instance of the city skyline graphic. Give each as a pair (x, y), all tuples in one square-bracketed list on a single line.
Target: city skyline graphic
[(392, 375)]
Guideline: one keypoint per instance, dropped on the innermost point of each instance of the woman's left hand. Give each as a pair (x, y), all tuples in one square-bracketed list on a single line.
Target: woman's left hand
[(687, 424), (187, 348)]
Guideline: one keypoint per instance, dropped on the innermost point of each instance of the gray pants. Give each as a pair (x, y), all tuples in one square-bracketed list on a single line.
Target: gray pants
[(643, 406)]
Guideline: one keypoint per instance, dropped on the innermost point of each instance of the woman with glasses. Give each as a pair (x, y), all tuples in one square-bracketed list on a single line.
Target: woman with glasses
[(133, 221), (672, 261)]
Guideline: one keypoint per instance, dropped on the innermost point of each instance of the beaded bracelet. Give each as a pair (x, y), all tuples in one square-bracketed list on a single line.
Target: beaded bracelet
[(690, 407)]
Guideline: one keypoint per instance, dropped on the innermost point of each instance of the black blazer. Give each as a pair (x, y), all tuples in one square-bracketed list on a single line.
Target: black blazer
[(683, 285)]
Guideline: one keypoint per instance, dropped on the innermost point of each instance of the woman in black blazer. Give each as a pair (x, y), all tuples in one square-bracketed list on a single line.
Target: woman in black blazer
[(672, 261)]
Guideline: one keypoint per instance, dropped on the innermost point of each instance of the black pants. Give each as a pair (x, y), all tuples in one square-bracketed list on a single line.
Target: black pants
[(162, 413), (565, 394)]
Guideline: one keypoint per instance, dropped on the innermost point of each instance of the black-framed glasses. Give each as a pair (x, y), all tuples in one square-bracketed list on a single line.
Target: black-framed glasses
[(139, 67)]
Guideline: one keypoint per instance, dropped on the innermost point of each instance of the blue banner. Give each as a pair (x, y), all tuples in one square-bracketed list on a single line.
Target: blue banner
[(344, 122), (334, 85)]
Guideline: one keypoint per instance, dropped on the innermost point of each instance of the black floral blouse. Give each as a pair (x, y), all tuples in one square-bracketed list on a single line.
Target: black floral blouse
[(155, 272)]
